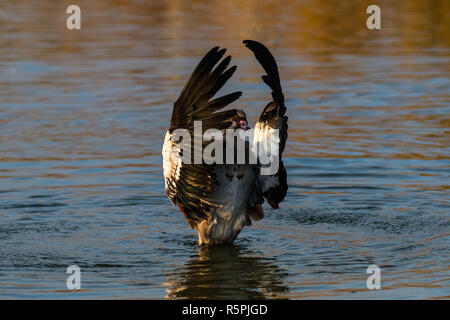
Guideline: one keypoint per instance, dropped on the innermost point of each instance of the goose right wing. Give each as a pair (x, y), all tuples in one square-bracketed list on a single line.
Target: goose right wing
[(273, 182)]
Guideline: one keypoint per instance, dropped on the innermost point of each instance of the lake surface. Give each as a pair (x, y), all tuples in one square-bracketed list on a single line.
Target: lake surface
[(82, 120)]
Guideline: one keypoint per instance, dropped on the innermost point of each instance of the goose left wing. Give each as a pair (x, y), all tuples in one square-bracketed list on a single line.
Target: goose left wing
[(190, 185)]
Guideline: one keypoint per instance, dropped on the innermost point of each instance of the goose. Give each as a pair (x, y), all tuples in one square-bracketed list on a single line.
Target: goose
[(219, 199)]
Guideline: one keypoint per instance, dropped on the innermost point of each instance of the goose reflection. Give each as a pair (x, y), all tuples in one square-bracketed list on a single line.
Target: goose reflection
[(227, 272)]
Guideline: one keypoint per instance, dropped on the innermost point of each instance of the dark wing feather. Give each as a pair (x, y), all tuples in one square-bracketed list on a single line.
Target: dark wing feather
[(191, 185), (274, 187), (272, 78), (194, 100)]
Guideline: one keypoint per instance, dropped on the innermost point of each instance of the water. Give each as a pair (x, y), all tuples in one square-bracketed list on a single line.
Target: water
[(83, 115)]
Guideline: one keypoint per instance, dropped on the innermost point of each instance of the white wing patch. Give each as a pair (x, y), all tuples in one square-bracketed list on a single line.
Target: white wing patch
[(171, 165), (267, 143), (263, 139)]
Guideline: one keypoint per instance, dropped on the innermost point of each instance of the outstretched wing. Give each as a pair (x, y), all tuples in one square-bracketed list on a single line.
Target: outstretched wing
[(274, 185), (191, 185)]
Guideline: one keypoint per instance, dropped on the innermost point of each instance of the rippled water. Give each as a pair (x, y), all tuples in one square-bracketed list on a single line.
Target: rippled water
[(82, 119)]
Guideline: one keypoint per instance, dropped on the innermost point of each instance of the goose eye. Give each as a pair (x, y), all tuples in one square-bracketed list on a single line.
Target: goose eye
[(243, 124)]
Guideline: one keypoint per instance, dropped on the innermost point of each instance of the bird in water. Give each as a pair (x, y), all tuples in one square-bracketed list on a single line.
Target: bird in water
[(218, 199)]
